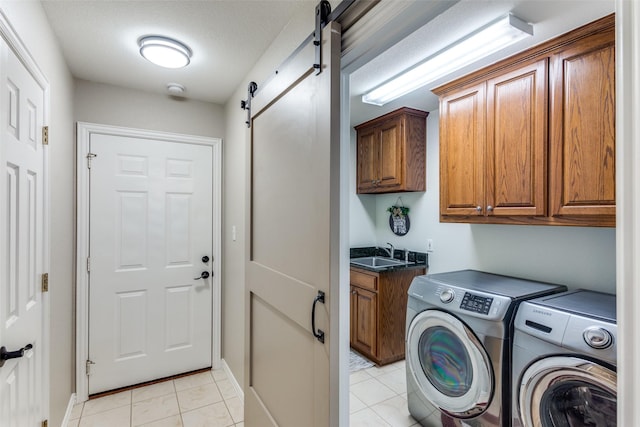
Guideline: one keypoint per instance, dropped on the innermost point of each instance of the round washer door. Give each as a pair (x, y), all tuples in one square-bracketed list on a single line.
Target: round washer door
[(449, 364), (568, 391)]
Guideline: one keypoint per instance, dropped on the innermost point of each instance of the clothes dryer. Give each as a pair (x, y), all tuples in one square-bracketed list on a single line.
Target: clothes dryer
[(564, 361), (458, 346)]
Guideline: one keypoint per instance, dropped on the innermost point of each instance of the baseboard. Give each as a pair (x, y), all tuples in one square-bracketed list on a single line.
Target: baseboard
[(233, 380), (67, 414)]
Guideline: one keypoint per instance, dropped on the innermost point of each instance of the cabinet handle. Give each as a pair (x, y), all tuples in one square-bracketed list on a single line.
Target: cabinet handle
[(479, 209), (489, 208)]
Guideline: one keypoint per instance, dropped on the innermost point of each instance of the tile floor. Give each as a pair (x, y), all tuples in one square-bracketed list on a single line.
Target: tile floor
[(206, 399), (378, 397)]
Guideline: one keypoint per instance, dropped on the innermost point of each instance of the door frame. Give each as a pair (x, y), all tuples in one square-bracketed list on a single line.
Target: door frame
[(15, 43), (84, 131)]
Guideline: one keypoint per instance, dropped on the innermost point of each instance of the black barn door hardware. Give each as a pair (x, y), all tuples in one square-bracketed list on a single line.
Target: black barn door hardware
[(323, 9), (320, 334), (6, 355), (246, 105)]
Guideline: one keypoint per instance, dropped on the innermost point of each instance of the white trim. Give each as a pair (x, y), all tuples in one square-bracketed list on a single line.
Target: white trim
[(84, 132), (233, 380), (628, 207), (13, 40), (67, 413)]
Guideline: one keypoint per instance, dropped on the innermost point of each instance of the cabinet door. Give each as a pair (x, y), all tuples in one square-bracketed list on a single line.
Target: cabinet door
[(368, 154), (462, 154), (391, 153), (516, 142), (583, 130), (365, 312)]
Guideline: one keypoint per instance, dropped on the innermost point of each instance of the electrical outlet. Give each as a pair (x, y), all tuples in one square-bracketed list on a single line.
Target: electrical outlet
[(429, 245)]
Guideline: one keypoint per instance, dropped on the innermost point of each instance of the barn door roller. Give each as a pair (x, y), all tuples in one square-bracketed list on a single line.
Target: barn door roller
[(246, 105), (323, 9)]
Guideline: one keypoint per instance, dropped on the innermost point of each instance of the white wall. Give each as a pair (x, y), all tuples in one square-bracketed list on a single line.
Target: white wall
[(30, 22), (574, 256), (112, 105)]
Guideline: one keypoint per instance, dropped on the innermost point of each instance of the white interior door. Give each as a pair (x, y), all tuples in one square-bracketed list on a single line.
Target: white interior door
[(22, 249), (150, 227), (293, 239)]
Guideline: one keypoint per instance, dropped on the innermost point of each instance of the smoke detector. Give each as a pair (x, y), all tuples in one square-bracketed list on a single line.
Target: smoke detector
[(175, 89)]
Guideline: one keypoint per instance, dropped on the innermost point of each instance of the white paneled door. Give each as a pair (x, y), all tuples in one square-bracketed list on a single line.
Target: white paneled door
[(293, 240), (150, 305), (22, 244)]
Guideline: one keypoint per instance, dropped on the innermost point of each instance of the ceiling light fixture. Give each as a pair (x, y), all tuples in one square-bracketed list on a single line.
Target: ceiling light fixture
[(482, 42), (164, 51)]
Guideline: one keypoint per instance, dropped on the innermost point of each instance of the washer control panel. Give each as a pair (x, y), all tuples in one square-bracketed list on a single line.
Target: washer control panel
[(476, 303)]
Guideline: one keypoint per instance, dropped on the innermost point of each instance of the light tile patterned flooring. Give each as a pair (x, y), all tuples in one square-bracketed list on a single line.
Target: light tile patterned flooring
[(378, 397), (206, 399)]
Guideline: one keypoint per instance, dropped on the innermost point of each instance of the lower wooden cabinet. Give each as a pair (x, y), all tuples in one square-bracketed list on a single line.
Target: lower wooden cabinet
[(378, 312)]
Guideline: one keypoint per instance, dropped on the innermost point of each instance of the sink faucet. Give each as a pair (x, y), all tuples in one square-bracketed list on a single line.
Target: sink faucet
[(390, 251)]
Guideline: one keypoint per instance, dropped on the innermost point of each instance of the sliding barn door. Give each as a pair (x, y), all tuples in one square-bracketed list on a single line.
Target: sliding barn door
[(293, 237)]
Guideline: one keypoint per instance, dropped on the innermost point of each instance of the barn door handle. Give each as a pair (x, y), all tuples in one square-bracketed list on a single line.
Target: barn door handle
[(320, 334), (6, 355)]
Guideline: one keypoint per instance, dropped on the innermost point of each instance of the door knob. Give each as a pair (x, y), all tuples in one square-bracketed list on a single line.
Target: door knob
[(205, 259), (6, 355), (203, 275)]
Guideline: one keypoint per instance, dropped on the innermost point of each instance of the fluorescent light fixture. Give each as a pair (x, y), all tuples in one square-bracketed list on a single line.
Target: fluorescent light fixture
[(482, 42), (164, 51)]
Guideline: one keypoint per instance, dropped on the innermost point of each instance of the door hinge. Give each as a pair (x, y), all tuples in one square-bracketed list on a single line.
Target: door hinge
[(88, 365), (90, 156), (45, 282), (45, 135), (88, 264), (45, 423)]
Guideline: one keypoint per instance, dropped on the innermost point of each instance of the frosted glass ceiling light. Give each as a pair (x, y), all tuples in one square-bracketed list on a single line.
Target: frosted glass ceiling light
[(164, 51), (482, 42)]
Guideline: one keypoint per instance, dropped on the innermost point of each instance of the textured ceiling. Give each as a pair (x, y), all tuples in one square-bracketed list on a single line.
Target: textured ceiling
[(99, 40)]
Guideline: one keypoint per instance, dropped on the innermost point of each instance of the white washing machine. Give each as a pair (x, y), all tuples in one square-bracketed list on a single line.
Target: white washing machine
[(564, 361), (458, 346)]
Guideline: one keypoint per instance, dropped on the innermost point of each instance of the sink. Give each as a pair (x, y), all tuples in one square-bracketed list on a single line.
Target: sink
[(377, 262)]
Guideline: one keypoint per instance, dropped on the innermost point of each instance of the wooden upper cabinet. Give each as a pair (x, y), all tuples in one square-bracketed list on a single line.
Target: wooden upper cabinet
[(462, 151), (493, 145), (583, 130), (517, 142), (391, 153), (531, 139)]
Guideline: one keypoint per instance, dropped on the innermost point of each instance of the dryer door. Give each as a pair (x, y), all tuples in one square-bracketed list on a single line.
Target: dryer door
[(449, 364), (568, 391)]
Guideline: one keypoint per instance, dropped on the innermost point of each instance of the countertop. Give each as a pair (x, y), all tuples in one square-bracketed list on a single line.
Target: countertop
[(417, 259)]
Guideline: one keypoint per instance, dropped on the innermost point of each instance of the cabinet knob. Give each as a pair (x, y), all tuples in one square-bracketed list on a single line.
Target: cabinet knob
[(489, 208), (479, 209)]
